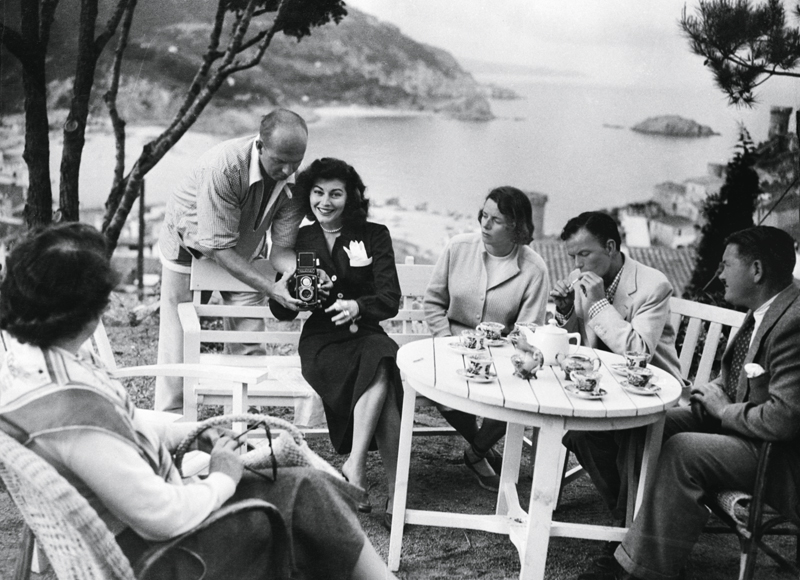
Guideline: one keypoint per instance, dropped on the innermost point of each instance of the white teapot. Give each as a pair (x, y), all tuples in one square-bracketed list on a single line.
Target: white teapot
[(552, 341)]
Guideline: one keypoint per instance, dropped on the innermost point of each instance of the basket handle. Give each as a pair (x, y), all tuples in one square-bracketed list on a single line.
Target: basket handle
[(249, 418)]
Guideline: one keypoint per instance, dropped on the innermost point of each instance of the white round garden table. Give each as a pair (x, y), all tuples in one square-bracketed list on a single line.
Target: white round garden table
[(429, 369)]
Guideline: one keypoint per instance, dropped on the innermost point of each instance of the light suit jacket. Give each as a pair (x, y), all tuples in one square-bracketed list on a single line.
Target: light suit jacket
[(457, 297), (767, 408), (637, 321)]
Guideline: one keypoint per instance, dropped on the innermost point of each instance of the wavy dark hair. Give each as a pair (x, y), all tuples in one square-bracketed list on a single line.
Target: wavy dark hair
[(601, 225), (57, 280), (516, 207), (356, 206)]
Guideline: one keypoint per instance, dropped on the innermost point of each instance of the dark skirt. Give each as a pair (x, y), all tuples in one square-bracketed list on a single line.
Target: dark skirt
[(340, 366), (325, 537)]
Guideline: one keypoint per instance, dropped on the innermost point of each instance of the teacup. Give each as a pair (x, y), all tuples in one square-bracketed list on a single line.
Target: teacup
[(492, 330), (472, 339), (635, 359), (479, 364), (588, 381), (639, 377), (577, 362)]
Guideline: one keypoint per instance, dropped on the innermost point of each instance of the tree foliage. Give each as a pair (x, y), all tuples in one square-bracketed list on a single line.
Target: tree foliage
[(728, 211), (743, 44), (238, 39)]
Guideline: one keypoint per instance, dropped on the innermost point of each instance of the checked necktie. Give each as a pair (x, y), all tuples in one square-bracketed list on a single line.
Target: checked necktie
[(741, 344)]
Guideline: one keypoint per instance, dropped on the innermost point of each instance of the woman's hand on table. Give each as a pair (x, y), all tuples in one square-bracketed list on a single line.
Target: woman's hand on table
[(346, 311), (224, 458)]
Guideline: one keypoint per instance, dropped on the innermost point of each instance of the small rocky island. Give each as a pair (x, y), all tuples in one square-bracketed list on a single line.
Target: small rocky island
[(673, 126)]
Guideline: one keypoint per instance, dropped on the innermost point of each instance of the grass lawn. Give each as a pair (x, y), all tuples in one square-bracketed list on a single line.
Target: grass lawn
[(439, 480)]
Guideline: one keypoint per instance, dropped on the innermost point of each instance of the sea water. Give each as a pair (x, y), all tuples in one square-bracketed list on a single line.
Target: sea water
[(569, 141)]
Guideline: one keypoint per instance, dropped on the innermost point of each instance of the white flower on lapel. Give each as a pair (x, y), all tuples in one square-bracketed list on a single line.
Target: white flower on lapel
[(753, 370), (357, 254)]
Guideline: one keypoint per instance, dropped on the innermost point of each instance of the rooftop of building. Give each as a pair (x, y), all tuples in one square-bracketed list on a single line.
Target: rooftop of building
[(676, 263)]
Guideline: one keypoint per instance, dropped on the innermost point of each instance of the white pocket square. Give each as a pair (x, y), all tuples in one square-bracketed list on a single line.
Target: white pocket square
[(753, 370), (357, 254)]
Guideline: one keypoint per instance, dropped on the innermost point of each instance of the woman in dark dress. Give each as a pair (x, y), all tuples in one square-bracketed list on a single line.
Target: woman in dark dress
[(345, 354)]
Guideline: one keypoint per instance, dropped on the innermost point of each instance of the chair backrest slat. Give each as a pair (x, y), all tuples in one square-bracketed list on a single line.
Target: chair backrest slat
[(700, 315)]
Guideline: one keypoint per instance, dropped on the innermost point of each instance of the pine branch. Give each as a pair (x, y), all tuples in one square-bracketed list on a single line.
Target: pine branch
[(209, 58), (111, 26), (117, 122)]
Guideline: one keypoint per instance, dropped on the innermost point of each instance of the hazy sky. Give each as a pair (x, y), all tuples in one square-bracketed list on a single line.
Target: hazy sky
[(628, 42)]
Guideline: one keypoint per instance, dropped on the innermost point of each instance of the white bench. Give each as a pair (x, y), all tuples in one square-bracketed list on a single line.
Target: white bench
[(284, 385)]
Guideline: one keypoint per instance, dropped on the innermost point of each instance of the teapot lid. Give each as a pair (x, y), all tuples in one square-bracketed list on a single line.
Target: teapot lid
[(552, 328)]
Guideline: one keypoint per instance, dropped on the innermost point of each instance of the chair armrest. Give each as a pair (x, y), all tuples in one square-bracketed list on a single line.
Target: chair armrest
[(190, 321), (249, 375)]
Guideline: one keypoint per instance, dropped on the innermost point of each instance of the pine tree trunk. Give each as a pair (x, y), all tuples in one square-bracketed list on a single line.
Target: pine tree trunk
[(39, 202)]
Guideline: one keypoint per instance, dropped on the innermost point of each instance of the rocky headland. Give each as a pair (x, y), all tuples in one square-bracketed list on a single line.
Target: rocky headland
[(361, 61), (673, 126)]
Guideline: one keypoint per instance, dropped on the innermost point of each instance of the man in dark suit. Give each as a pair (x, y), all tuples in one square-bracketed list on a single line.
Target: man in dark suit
[(719, 448)]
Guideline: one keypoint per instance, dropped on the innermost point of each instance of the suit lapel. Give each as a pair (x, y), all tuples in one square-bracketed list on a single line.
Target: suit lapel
[(776, 310), (320, 246), (628, 285)]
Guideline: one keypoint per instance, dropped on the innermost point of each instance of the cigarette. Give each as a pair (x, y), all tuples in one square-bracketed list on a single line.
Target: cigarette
[(569, 287)]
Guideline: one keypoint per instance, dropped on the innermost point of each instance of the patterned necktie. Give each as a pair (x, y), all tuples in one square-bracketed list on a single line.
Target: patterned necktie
[(741, 344)]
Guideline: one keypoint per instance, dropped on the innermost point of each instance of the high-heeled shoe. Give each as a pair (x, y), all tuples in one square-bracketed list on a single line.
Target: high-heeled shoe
[(364, 506)]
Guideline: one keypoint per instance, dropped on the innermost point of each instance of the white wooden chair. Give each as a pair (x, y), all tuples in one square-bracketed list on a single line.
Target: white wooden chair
[(702, 319), (284, 384), (705, 322), (243, 377), (746, 522)]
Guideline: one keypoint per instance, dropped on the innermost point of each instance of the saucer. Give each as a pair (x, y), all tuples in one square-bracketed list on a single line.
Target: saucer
[(619, 368), (650, 389), (475, 378), (573, 390), (456, 346), (497, 342)]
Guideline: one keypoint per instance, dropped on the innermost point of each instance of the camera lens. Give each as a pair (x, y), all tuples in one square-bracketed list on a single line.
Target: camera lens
[(305, 288)]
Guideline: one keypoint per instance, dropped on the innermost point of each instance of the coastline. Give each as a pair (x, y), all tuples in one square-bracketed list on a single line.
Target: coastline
[(416, 231)]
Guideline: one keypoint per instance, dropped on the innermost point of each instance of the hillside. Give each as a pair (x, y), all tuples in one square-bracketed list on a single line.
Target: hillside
[(361, 61)]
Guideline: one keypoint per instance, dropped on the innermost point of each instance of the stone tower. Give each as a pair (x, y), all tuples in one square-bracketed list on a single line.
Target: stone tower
[(779, 121), (538, 201)]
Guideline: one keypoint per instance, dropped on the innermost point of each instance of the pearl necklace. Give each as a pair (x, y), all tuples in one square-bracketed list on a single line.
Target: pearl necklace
[(336, 231)]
